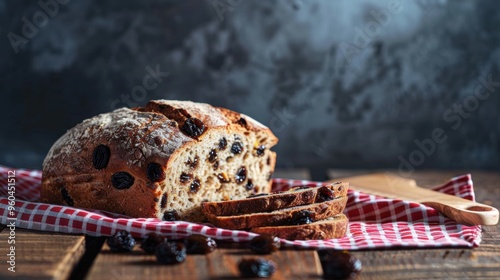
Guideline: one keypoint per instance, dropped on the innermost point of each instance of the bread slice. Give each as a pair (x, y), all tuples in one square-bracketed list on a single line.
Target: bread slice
[(287, 216), (166, 156), (275, 201), (333, 227)]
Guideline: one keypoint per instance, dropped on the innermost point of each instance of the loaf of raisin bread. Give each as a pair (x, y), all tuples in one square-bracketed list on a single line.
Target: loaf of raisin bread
[(333, 227), (164, 158), (274, 201), (289, 216)]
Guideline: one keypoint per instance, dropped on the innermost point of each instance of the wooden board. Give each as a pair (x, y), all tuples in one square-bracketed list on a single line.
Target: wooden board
[(387, 184), (41, 255)]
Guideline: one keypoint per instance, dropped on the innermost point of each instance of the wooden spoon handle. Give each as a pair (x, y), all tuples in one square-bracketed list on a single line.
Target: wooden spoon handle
[(458, 209), (469, 213)]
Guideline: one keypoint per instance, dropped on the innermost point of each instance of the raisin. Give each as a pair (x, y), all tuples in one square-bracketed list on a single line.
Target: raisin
[(257, 195), (163, 202), (241, 175), (122, 180), (265, 244), (302, 217), (242, 122), (324, 194), (256, 267), (260, 150), (122, 241), (155, 172), (339, 264), (185, 177), (268, 161), (152, 240), (171, 216), (195, 186), (222, 143), (223, 178), (212, 156), (170, 252), (200, 244), (100, 156), (249, 185), (192, 163), (216, 165), (237, 148), (67, 198), (193, 127)]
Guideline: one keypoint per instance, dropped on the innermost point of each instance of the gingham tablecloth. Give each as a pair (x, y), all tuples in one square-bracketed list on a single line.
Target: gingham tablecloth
[(374, 222)]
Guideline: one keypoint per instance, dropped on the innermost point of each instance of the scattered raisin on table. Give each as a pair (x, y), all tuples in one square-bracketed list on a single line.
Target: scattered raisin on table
[(170, 252), (152, 240), (265, 244), (200, 244), (339, 264), (122, 180), (100, 156), (122, 241), (256, 267)]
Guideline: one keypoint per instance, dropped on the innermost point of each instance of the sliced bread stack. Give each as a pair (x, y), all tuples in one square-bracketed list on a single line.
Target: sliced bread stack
[(301, 213)]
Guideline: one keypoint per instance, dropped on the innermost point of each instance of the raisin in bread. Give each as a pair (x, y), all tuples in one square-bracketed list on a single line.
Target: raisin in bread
[(289, 216), (275, 201), (151, 161), (333, 227)]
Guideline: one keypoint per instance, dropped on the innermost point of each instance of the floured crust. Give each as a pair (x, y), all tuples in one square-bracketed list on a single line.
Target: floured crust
[(154, 134)]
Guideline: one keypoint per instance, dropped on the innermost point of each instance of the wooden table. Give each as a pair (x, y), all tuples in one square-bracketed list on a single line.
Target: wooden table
[(58, 256)]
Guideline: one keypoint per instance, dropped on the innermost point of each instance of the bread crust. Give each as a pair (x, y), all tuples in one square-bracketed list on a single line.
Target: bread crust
[(335, 227), (316, 211), (135, 137), (271, 202)]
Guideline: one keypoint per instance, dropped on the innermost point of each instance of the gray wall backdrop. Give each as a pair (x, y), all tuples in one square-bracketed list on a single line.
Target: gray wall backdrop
[(354, 84)]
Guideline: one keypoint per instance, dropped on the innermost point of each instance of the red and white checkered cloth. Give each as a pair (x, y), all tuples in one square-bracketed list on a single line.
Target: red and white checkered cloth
[(375, 222)]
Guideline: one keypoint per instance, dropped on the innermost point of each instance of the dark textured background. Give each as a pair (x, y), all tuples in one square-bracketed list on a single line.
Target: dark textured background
[(334, 97)]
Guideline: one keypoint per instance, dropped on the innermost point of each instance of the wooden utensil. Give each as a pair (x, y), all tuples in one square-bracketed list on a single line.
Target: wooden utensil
[(458, 209)]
